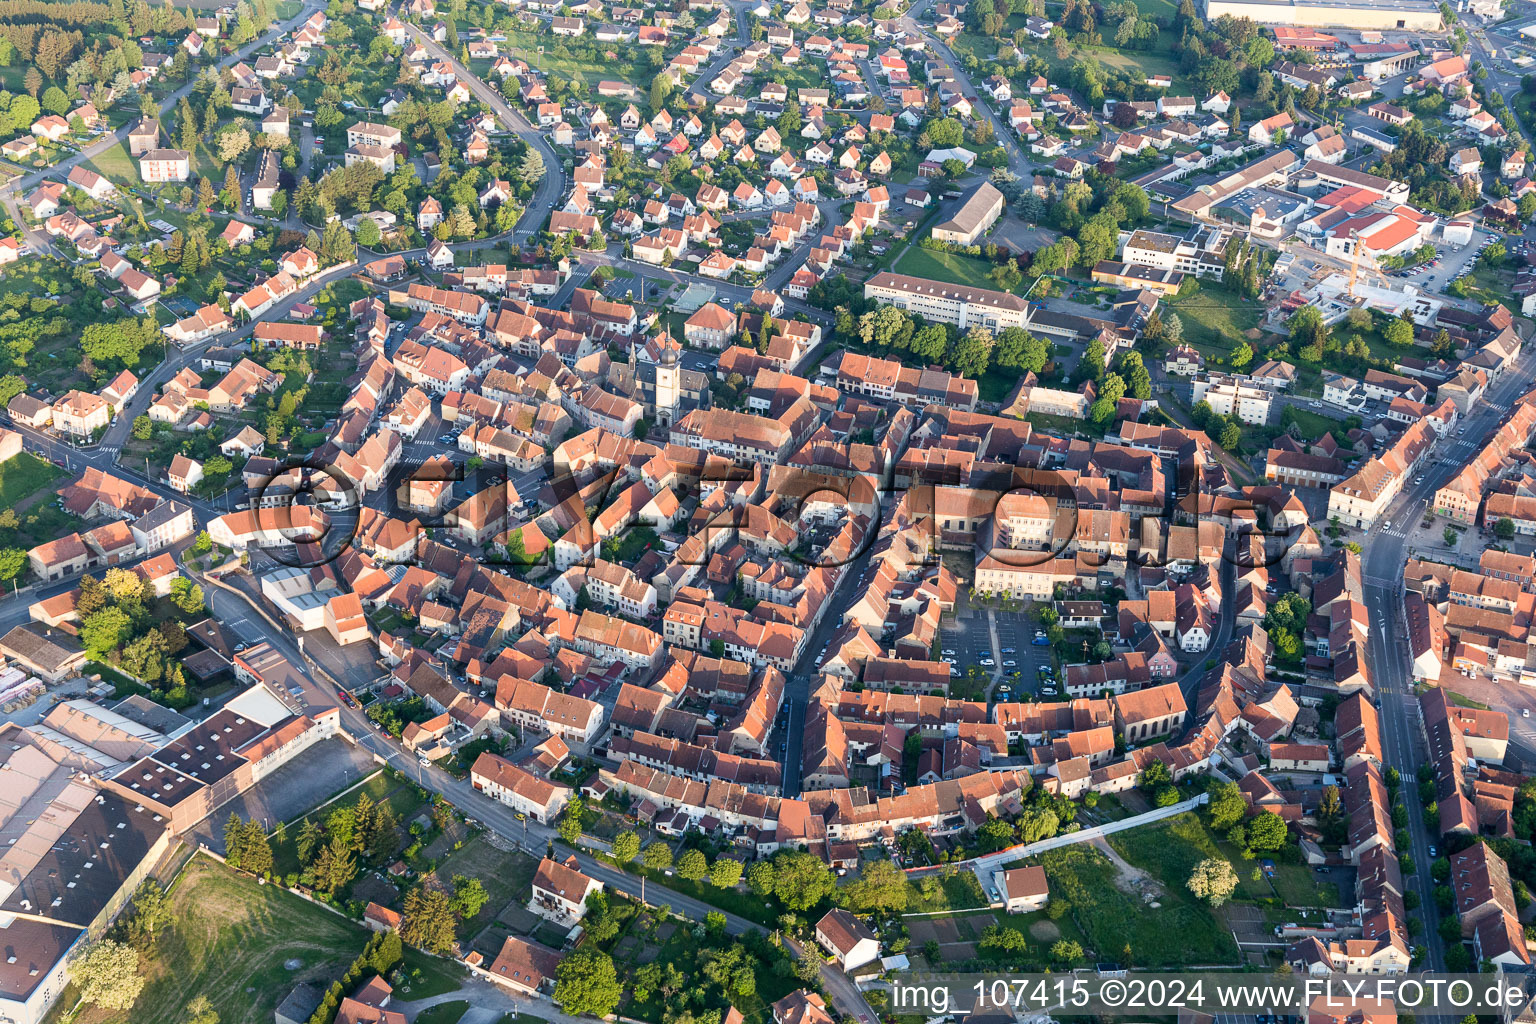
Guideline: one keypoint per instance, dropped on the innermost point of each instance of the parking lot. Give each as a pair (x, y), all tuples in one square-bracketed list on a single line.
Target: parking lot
[(1450, 264), (1015, 631), (967, 640)]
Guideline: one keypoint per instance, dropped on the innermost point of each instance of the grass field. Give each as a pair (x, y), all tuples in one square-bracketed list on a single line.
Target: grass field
[(1178, 931), (559, 57), (23, 476), (946, 266), (118, 165), (1312, 425), (443, 1013), (960, 891), (1214, 318), (228, 940), (1171, 850), (506, 876)]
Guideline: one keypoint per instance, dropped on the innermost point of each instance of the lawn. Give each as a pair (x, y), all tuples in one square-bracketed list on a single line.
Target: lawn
[(1214, 318), (506, 877), (1178, 931), (946, 266), (1171, 849), (583, 60), (959, 891), (443, 1013), (118, 165), (1312, 425), (426, 976), (228, 940), (24, 476)]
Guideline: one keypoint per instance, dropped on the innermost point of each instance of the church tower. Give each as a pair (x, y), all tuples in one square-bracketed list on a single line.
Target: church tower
[(668, 387)]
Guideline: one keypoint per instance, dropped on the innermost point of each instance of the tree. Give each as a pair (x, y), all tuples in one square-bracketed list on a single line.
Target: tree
[(1399, 332), (256, 851), (427, 921), (12, 562), (724, 873), (368, 234), (151, 908), (335, 866), (1504, 529), (586, 983), (626, 847), (801, 880), (570, 822), (102, 632), (532, 167), (658, 856), (693, 866), (661, 90), (1266, 832), (1226, 807), (1213, 880), (880, 888), (1231, 435), (200, 1011), (118, 342), (1154, 775), (469, 896), (143, 427), (107, 974), (1066, 951), (972, 352), (1241, 356)]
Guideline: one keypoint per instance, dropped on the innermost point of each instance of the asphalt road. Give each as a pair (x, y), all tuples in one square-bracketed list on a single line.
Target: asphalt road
[(552, 186), (1382, 567), (61, 169)]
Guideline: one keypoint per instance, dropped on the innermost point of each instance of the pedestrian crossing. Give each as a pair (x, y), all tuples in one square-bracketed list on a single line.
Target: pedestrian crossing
[(1398, 530), (110, 450)]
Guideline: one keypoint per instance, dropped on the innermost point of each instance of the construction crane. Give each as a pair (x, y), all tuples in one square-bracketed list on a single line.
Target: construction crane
[(1354, 263)]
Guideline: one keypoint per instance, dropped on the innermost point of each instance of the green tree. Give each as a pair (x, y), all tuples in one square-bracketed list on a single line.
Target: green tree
[(1226, 807), (151, 908), (881, 888), (1066, 951), (801, 880), (102, 632), (427, 921), (1241, 356), (200, 1011), (692, 865), (658, 856), (626, 847), (368, 234), (1504, 529), (469, 896), (586, 983), (570, 822), (724, 873), (1213, 880), (107, 975), (1266, 832)]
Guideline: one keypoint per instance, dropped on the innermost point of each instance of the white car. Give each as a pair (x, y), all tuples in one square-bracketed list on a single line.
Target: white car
[(987, 662)]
